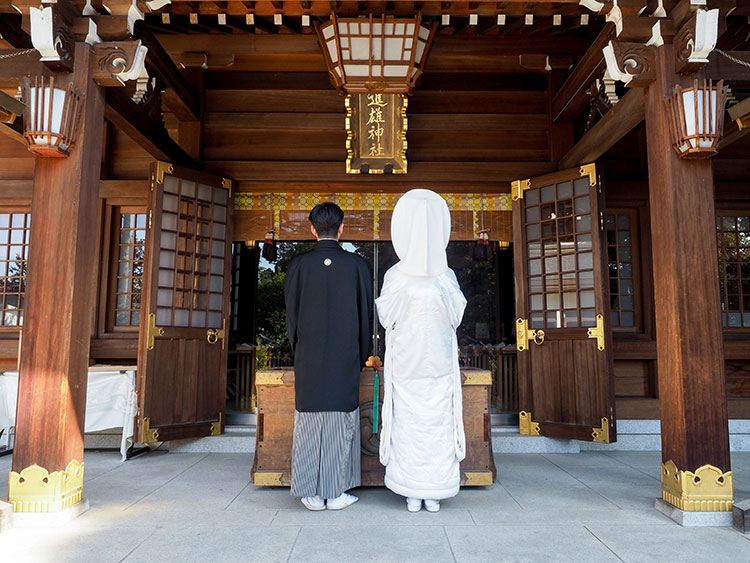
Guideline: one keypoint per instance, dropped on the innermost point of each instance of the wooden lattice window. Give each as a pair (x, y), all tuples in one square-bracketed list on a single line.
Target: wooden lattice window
[(560, 255), (191, 259), (622, 263), (129, 252), (14, 247), (733, 232)]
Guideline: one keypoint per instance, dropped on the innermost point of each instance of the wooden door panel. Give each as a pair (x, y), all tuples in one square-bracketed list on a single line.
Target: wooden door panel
[(182, 349), (566, 386)]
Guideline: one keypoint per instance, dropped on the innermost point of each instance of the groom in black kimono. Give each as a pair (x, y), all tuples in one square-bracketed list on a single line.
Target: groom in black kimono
[(328, 293)]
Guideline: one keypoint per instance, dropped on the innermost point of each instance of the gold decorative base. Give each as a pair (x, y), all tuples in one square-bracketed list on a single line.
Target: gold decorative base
[(268, 479), (707, 490), (477, 479), (37, 490)]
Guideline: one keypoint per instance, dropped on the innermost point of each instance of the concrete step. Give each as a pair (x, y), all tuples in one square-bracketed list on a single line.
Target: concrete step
[(632, 435), (236, 439)]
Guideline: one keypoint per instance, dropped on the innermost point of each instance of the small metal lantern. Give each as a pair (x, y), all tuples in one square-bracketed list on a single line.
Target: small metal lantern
[(50, 117), (697, 119)]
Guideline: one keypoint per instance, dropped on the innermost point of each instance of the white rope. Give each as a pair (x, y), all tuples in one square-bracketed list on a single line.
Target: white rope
[(17, 53), (733, 59)]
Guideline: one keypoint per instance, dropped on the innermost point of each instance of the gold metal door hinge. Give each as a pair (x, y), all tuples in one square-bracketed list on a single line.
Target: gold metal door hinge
[(213, 335), (161, 169), (216, 427), (601, 435), (590, 171), (598, 332), (526, 426), (153, 331), (148, 434), (518, 187), (524, 334), (226, 183)]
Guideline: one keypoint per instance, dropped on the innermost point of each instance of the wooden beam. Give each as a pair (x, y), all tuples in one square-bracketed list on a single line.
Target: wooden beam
[(13, 131), (153, 137), (612, 127), (572, 98), (732, 134), (436, 173), (11, 31), (15, 68), (180, 96)]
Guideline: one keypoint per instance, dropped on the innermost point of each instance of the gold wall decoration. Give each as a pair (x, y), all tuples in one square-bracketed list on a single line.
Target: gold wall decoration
[(527, 426), (376, 127), (709, 489), (35, 489), (364, 201)]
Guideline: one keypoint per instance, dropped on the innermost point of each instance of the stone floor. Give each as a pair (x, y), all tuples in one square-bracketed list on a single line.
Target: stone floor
[(590, 506)]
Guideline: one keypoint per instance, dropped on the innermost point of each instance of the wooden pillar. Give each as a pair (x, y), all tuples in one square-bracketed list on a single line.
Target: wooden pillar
[(692, 397), (47, 472)]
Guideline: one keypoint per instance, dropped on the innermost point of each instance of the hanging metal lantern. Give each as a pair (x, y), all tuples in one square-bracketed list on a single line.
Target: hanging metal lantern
[(375, 54), (697, 119), (50, 117)]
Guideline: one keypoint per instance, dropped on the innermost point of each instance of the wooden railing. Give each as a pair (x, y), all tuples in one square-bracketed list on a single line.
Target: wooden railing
[(502, 364), (500, 361)]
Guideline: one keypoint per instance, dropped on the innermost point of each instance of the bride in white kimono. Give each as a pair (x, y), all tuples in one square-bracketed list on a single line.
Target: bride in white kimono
[(421, 306)]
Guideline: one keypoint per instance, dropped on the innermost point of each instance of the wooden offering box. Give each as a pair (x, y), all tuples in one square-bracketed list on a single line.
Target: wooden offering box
[(272, 464)]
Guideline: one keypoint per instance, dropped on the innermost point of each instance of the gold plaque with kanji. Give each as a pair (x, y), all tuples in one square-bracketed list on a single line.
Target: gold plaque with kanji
[(376, 133)]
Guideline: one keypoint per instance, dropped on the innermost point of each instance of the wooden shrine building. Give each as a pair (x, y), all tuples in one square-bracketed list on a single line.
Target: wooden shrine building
[(605, 140)]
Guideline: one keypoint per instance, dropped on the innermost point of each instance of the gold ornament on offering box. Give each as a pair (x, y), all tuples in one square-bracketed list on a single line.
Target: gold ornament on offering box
[(376, 127)]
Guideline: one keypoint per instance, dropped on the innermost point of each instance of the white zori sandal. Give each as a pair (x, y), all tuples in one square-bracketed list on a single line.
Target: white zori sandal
[(432, 505), (313, 503), (413, 504), (341, 501)]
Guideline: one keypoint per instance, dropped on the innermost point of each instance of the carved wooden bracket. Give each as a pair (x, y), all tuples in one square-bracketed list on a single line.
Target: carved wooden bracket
[(116, 62), (695, 40), (691, 25), (631, 63), (52, 37)]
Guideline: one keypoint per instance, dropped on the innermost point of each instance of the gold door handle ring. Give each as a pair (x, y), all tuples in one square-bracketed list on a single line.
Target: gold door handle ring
[(212, 336), (539, 337)]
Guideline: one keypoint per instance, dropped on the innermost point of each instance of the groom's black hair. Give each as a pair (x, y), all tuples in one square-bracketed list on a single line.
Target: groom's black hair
[(326, 218)]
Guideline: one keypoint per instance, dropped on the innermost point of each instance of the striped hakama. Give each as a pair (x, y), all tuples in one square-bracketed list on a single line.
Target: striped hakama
[(325, 453)]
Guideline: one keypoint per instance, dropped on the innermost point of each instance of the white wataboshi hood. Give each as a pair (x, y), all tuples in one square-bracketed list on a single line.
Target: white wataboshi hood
[(420, 230)]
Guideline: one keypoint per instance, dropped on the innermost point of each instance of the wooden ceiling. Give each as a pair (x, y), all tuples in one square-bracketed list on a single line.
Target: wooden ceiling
[(516, 18)]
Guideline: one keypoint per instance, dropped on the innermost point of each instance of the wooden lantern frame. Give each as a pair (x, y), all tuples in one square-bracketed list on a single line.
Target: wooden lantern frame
[(707, 119), (337, 38), (40, 126)]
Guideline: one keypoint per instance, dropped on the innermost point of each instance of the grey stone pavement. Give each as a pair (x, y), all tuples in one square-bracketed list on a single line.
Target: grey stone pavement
[(590, 506)]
